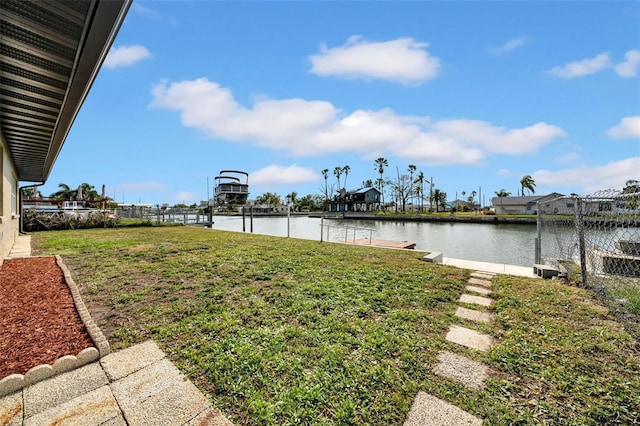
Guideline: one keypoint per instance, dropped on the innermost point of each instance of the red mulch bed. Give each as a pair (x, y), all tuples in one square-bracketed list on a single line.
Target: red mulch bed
[(38, 321)]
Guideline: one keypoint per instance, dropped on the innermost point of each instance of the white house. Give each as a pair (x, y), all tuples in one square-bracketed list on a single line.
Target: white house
[(52, 52), (520, 205)]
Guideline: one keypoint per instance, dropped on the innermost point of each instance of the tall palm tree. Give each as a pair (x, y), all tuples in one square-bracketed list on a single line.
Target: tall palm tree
[(473, 199), (527, 182), (338, 172), (325, 174), (346, 170), (463, 193), (420, 180), (411, 169), (381, 163)]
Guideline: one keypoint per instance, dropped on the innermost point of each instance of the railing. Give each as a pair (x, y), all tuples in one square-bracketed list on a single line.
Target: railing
[(339, 230)]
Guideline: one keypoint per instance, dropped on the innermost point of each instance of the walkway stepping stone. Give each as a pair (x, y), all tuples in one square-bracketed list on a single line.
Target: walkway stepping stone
[(11, 413), (483, 275), (475, 300), (461, 369), (473, 315), (470, 338), (94, 408), (477, 281), (126, 361), (432, 411), (62, 388), (158, 395), (480, 290)]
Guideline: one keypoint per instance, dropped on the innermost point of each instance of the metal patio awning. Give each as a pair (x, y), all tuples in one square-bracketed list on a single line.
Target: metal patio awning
[(50, 54)]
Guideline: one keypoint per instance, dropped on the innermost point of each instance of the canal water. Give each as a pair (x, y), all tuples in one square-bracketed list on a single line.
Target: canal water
[(504, 244)]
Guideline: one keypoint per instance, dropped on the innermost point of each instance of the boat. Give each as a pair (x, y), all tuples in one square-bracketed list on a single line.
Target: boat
[(230, 189)]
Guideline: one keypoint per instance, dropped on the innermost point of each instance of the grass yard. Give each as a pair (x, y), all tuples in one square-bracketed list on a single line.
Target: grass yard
[(282, 331)]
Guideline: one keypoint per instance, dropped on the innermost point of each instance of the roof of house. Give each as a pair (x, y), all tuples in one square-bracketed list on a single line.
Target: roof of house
[(364, 190), (50, 54), (523, 200)]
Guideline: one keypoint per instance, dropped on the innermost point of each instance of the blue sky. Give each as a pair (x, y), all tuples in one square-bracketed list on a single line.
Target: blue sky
[(474, 94)]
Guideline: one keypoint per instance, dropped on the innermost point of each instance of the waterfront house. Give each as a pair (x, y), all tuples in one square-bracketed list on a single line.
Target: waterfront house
[(521, 205), (360, 200), (52, 52)]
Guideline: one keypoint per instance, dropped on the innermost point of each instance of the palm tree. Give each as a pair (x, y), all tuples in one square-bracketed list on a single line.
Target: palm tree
[(89, 192), (420, 180), (527, 182), (346, 170), (64, 193), (473, 199), (381, 163), (411, 169), (503, 193), (338, 172), (325, 174), (463, 193), (439, 198)]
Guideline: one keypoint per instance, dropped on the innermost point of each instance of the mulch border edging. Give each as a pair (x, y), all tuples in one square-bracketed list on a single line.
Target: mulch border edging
[(94, 331), (16, 382)]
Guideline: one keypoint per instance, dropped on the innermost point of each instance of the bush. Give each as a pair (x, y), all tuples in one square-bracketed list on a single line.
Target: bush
[(34, 220)]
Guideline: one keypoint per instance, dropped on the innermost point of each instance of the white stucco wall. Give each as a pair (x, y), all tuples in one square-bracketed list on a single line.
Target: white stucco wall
[(9, 214)]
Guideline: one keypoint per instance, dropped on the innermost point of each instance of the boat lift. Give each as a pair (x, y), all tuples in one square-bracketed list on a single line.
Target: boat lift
[(229, 188)]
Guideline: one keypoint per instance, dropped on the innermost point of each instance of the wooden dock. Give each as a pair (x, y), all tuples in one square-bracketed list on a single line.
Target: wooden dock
[(383, 243)]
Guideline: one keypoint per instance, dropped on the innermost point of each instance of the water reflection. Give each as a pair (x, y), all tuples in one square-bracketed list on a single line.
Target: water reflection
[(510, 244)]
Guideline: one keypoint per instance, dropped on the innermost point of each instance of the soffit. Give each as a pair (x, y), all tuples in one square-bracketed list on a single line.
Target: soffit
[(50, 53)]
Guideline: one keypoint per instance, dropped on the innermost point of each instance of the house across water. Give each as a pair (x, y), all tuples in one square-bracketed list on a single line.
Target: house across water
[(360, 200)]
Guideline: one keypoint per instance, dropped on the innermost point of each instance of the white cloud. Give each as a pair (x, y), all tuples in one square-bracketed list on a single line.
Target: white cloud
[(629, 68), (583, 67), (153, 14), (145, 11), (402, 60), (125, 56), (507, 46), (629, 127), (504, 173), (567, 158), (274, 175), (591, 179), (308, 128)]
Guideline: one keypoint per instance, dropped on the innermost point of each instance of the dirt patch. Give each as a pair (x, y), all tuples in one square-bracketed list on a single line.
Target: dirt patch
[(39, 321)]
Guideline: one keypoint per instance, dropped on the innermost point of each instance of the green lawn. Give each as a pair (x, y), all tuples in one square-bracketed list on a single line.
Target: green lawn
[(282, 331)]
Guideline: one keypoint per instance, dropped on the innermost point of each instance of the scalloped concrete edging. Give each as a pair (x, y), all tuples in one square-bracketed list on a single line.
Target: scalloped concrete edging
[(16, 382), (94, 331)]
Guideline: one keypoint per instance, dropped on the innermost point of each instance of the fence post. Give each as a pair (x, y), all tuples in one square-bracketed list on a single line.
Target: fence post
[(538, 245), (581, 244)]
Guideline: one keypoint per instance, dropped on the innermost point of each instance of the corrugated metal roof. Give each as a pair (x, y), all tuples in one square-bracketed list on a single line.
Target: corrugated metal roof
[(50, 53)]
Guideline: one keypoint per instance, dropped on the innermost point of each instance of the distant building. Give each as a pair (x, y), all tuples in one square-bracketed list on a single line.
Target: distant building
[(521, 205), (360, 200)]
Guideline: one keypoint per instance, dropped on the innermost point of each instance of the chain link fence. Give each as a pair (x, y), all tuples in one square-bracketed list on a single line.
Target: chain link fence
[(595, 241)]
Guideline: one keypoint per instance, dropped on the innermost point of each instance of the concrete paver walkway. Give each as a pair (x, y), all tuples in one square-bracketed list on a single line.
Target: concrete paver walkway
[(136, 386), (432, 411)]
